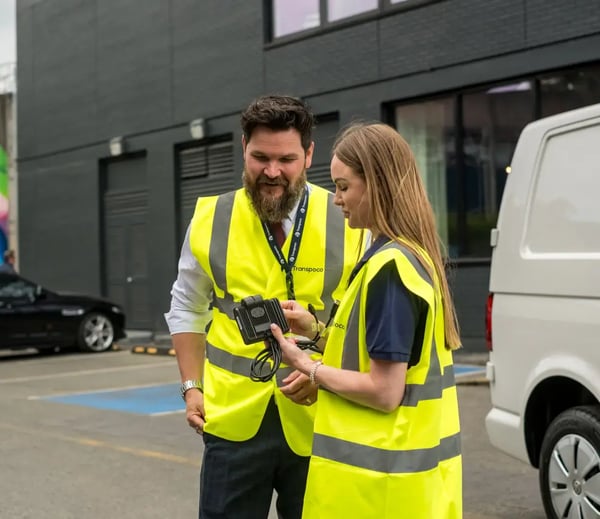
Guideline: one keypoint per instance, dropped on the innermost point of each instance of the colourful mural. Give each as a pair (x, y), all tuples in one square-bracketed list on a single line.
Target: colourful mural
[(3, 201)]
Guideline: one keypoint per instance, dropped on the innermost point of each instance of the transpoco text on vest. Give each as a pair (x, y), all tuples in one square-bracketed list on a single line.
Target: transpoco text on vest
[(309, 269)]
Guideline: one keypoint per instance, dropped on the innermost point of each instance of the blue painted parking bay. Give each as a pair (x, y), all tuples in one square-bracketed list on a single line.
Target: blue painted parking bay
[(164, 399), (150, 400), (467, 369)]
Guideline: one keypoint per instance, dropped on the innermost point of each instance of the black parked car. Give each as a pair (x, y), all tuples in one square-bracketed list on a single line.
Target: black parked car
[(34, 317)]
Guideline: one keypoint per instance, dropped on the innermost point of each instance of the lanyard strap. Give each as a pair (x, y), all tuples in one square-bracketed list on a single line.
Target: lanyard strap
[(288, 264)]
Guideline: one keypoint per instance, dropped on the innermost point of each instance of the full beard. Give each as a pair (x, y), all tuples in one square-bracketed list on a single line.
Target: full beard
[(271, 209)]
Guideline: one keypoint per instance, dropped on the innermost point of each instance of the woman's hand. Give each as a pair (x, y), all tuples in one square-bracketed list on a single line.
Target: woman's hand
[(297, 386), (301, 321), (291, 354)]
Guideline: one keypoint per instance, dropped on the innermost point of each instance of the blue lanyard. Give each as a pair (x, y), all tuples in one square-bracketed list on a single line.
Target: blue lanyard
[(287, 265)]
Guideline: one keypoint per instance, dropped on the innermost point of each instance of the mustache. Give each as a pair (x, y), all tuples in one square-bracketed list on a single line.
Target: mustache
[(264, 179)]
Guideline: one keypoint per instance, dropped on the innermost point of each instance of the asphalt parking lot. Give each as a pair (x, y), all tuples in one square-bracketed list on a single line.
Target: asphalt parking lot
[(96, 436)]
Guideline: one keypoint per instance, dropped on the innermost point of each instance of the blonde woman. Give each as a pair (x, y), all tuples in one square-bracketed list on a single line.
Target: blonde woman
[(387, 433)]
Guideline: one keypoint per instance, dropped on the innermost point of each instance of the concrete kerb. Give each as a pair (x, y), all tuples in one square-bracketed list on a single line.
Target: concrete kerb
[(147, 343)]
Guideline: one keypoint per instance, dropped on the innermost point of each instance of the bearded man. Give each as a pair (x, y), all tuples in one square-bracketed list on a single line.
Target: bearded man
[(279, 237)]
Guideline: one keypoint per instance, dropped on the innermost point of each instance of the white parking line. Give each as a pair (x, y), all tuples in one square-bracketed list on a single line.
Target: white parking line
[(83, 372), (165, 413)]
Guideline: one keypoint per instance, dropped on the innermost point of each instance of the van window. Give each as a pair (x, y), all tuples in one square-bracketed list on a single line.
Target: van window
[(565, 211)]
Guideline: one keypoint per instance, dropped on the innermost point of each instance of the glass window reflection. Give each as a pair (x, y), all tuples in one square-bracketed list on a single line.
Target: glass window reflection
[(428, 128), (492, 122), (567, 90), (290, 16), (338, 9)]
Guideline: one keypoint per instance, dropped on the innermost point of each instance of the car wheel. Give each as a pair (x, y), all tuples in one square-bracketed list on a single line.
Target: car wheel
[(570, 464), (96, 333)]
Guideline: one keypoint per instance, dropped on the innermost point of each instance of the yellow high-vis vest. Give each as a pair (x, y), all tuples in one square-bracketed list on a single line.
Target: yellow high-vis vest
[(400, 465), (228, 240)]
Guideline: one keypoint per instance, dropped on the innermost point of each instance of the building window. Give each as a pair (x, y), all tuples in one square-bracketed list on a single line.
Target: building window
[(463, 158), (428, 128), (566, 90), (492, 122), (290, 16), (294, 16), (339, 9)]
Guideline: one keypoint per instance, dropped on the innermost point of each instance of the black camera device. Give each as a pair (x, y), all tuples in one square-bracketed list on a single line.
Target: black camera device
[(254, 316)]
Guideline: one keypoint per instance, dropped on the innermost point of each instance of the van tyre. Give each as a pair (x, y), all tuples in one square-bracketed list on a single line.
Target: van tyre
[(96, 333), (570, 464)]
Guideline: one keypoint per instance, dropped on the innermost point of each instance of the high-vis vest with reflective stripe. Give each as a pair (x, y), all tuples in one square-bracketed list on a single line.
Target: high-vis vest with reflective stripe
[(404, 464), (228, 240)]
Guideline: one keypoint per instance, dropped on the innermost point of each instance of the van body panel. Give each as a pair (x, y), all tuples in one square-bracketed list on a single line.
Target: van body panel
[(502, 427), (548, 238), (537, 337), (545, 277)]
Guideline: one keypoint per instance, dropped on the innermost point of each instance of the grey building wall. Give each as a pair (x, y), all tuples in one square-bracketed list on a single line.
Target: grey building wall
[(90, 70)]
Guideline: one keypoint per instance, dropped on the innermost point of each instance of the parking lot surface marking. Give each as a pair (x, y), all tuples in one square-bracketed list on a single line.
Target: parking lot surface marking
[(164, 398), (467, 369), (148, 400)]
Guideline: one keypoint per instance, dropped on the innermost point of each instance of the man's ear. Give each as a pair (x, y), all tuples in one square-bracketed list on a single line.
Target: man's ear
[(309, 155), (244, 143)]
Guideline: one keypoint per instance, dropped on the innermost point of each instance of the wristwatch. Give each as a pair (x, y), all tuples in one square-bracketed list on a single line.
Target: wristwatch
[(190, 384)]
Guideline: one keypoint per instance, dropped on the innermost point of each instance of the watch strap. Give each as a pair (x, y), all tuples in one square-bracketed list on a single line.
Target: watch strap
[(191, 384)]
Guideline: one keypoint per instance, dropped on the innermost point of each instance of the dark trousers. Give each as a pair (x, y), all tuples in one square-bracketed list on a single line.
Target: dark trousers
[(238, 478)]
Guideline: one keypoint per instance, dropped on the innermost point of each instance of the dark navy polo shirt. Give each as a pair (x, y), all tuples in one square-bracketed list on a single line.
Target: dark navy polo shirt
[(395, 317)]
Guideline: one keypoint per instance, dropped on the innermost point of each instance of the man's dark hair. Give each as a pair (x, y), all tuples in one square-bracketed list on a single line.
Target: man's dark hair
[(8, 255), (279, 113)]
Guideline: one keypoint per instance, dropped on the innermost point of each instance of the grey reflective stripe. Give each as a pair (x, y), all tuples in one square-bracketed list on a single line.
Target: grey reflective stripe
[(218, 250), (350, 351), (239, 365), (224, 304), (383, 460), (434, 384), (282, 373), (227, 361), (334, 253), (410, 256), (219, 238)]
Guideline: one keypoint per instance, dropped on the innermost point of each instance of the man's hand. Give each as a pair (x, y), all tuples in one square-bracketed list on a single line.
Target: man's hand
[(301, 321), (194, 409), (299, 389)]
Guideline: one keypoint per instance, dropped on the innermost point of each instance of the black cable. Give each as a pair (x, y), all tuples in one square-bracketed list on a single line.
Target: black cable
[(312, 343), (272, 351)]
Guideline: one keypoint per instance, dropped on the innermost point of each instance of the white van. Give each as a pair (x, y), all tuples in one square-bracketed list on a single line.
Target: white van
[(543, 312)]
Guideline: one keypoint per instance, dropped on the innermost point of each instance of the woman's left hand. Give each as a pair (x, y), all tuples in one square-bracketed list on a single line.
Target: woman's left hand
[(291, 354)]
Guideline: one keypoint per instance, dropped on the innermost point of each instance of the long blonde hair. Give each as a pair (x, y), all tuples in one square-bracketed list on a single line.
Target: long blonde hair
[(399, 206)]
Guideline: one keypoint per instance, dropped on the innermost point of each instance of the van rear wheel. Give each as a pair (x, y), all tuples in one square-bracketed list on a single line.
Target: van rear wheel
[(570, 464)]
